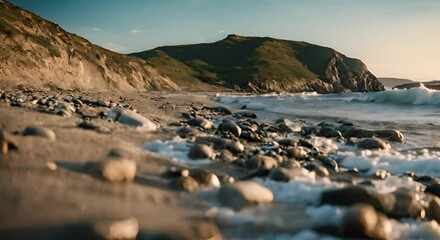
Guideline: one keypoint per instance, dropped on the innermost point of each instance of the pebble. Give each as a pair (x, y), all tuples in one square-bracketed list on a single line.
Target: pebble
[(204, 177), (362, 221), (115, 169), (103, 103), (40, 132), (297, 152), (222, 143), (329, 163), (261, 162), (356, 194), (328, 132), (131, 118), (244, 193), (201, 151), (185, 183), (434, 209), (226, 156), (231, 127), (124, 229), (370, 143), (281, 174), (64, 109), (201, 122)]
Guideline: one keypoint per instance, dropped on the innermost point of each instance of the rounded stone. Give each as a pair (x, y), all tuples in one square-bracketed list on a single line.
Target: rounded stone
[(125, 229), (201, 151), (231, 127), (201, 122), (362, 221), (116, 169), (261, 162), (244, 193), (185, 183), (372, 144), (40, 132), (131, 118)]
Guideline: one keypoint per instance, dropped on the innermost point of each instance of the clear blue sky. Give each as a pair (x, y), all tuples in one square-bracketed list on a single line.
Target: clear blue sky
[(399, 38)]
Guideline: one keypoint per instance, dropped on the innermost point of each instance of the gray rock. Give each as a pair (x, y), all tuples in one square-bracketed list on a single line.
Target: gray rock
[(261, 162), (204, 177), (318, 169), (201, 151), (125, 229), (297, 152), (244, 193), (226, 156), (362, 221), (115, 169), (64, 109), (355, 194), (103, 103), (77, 101), (201, 122), (185, 183), (407, 205), (329, 163), (287, 142), (370, 143), (231, 127), (281, 174), (434, 209), (289, 164), (40, 132), (328, 132), (131, 118), (390, 135), (221, 143)]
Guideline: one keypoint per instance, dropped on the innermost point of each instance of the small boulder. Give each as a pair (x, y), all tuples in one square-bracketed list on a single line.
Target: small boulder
[(281, 174), (434, 209), (125, 229), (231, 127), (185, 183), (204, 177), (131, 118), (40, 132), (297, 152), (201, 151), (261, 162), (390, 135), (226, 156), (355, 194), (371, 143), (64, 109), (200, 122), (244, 193), (115, 169), (362, 221), (328, 132)]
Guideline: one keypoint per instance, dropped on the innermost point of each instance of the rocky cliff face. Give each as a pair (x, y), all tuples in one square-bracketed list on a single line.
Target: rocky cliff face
[(263, 65), (40, 53)]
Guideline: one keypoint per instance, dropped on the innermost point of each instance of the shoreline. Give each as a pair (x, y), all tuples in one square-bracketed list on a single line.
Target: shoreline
[(50, 193)]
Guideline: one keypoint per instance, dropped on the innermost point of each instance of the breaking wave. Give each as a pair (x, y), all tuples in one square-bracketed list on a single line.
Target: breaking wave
[(413, 96)]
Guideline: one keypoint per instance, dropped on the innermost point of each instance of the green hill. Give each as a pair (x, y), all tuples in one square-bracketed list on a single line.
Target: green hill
[(262, 64)]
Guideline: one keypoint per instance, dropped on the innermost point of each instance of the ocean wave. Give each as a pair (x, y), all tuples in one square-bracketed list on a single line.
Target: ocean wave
[(413, 96)]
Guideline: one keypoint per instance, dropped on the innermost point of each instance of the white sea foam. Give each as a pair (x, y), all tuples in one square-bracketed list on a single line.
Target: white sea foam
[(176, 150), (415, 96), (422, 163), (305, 191)]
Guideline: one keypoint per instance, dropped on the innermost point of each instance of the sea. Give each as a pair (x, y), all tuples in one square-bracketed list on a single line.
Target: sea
[(415, 112)]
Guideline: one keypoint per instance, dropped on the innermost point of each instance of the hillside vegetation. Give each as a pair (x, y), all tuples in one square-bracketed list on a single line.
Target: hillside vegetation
[(263, 64)]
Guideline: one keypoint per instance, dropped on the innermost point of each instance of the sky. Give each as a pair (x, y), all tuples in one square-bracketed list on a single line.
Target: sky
[(395, 38)]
